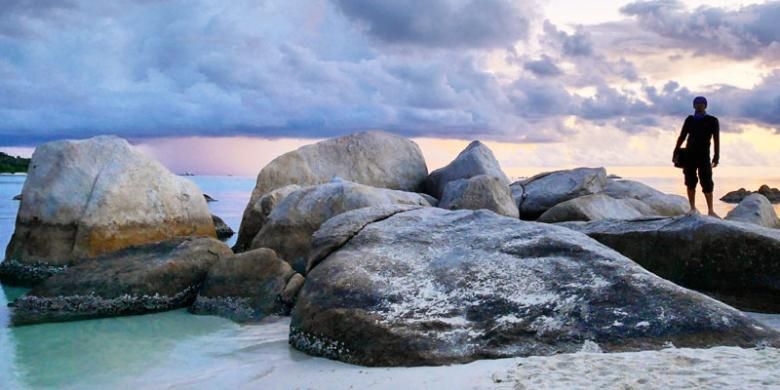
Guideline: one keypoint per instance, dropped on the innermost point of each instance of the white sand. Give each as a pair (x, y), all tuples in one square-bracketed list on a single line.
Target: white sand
[(259, 357)]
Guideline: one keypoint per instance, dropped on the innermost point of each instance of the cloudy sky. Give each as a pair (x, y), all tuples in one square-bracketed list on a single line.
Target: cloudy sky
[(224, 86)]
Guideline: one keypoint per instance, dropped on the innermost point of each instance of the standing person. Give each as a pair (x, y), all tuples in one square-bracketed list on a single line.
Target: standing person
[(700, 128)]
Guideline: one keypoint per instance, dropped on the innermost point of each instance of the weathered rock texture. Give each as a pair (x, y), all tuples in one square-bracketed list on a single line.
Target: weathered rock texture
[(247, 286), (476, 159), (256, 213), (662, 204), (431, 286), (289, 228), (538, 194), (595, 207), (735, 262), (479, 192), (136, 280), (338, 230), (86, 198), (755, 209)]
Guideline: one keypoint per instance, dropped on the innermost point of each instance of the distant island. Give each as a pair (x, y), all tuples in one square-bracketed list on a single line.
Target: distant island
[(11, 164)]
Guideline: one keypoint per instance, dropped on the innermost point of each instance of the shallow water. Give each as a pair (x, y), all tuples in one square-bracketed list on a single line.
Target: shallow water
[(179, 350), (723, 185)]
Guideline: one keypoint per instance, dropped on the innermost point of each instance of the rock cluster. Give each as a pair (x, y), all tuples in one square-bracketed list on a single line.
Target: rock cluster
[(772, 194), (373, 158), (380, 263)]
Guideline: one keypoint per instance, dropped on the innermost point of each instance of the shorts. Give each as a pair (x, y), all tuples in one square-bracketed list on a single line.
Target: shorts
[(704, 169)]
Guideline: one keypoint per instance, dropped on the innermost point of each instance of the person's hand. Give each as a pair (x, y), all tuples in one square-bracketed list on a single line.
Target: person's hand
[(714, 164)]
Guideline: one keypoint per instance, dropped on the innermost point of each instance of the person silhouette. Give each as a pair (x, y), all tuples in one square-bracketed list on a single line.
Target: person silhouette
[(699, 129)]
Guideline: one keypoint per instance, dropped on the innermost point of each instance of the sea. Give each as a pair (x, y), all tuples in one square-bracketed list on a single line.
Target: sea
[(177, 350)]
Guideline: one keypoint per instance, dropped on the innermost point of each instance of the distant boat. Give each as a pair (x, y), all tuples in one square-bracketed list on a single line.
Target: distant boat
[(186, 173)]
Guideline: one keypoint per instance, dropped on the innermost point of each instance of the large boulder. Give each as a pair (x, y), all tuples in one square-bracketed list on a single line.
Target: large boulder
[(755, 209), (737, 263), (479, 192), (256, 213), (247, 286), (136, 280), (432, 286), (539, 193), (372, 158), (662, 204), (595, 207), (476, 159), (292, 222), (86, 198)]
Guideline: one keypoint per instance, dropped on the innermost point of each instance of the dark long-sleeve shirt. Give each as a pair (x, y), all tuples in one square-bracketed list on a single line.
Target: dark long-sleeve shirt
[(699, 131)]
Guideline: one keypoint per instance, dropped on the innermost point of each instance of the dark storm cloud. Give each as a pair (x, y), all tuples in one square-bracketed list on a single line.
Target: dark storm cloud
[(315, 68), (543, 67), (441, 23), (746, 32), (577, 44)]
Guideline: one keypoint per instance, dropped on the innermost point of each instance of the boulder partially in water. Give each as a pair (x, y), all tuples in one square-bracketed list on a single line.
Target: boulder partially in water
[(772, 194), (540, 193), (476, 159), (431, 286), (755, 209), (479, 192), (595, 207), (136, 280), (86, 198), (737, 263), (223, 230), (248, 286), (289, 228)]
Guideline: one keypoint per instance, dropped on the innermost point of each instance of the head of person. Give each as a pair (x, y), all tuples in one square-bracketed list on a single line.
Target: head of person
[(700, 104)]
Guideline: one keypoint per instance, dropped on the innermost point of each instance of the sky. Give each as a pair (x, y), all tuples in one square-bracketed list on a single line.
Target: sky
[(224, 87)]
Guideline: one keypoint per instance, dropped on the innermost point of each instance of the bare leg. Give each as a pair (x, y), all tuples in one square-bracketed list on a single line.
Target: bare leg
[(692, 200), (710, 210)]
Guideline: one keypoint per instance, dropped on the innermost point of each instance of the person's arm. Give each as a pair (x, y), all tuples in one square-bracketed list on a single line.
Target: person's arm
[(716, 142), (683, 134)]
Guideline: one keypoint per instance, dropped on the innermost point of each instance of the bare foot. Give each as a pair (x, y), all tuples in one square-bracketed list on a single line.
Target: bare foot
[(713, 214), (692, 211)]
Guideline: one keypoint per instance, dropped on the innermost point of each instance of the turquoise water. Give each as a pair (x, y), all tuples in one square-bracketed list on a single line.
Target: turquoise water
[(176, 349), (107, 352)]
